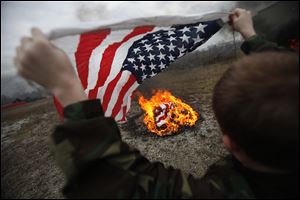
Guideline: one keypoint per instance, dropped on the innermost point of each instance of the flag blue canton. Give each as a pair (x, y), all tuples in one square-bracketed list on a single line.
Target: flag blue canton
[(155, 51)]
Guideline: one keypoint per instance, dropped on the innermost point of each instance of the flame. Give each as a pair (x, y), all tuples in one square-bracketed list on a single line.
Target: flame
[(294, 44), (178, 113)]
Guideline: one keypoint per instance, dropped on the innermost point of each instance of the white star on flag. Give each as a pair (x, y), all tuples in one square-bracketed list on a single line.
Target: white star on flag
[(185, 29), (131, 60), (136, 50), (170, 33), (143, 67), (162, 65), (148, 47), (198, 39), (152, 66), (171, 47), (152, 74), (160, 46), (151, 57), (141, 58), (171, 58), (135, 67), (201, 27), (161, 56), (171, 39), (185, 38), (144, 76)]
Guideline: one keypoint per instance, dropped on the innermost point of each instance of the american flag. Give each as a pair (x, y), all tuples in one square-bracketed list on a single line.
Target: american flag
[(162, 114), (111, 64)]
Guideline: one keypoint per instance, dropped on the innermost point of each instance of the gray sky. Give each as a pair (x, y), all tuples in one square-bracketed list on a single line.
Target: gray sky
[(17, 18)]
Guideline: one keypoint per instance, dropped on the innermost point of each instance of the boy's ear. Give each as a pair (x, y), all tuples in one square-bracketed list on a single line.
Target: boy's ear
[(229, 144)]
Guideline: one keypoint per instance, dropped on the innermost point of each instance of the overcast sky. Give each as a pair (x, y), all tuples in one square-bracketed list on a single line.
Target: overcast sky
[(17, 18)]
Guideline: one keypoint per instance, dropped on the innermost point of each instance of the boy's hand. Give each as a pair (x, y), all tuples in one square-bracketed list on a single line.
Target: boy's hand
[(40, 61), (241, 21)]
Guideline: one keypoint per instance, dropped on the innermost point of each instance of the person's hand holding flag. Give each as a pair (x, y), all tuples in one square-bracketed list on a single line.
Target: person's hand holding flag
[(241, 21), (40, 61)]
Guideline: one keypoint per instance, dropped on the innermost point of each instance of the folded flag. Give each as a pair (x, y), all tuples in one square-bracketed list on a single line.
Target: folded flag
[(113, 60)]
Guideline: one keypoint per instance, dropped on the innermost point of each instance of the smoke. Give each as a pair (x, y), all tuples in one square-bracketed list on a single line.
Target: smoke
[(98, 11), (92, 12), (124, 10)]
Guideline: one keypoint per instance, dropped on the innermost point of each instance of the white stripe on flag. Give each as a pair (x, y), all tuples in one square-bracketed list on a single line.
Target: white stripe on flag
[(126, 101), (96, 57), (116, 92), (119, 115)]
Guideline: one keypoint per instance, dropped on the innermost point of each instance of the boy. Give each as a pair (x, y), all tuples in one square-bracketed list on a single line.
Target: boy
[(255, 103)]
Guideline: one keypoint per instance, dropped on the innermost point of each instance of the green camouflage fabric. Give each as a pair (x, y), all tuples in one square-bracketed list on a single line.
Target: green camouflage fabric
[(97, 164), (258, 43)]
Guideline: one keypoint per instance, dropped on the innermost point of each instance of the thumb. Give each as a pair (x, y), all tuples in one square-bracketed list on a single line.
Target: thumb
[(232, 19), (38, 34)]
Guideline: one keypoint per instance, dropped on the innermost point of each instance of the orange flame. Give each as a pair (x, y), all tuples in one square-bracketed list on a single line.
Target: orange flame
[(294, 44), (178, 113)]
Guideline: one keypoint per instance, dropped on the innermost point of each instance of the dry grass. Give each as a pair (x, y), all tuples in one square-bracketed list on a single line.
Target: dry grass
[(28, 169)]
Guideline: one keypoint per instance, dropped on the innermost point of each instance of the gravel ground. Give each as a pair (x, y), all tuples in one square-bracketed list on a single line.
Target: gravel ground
[(28, 169)]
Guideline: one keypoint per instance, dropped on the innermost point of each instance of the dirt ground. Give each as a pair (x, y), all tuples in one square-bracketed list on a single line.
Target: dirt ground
[(28, 169)]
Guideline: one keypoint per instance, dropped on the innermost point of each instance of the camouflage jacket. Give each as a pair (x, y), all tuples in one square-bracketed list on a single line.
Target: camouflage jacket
[(258, 43), (97, 164)]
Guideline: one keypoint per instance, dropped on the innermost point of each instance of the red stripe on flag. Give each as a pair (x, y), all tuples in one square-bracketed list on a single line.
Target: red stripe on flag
[(123, 91), (110, 89), (88, 42), (59, 108), (125, 107), (108, 57)]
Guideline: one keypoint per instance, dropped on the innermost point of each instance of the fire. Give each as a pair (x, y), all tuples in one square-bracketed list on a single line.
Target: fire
[(294, 44), (166, 113)]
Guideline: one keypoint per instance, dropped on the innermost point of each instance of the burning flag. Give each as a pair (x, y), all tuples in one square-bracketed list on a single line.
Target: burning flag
[(294, 44), (165, 114), (112, 60)]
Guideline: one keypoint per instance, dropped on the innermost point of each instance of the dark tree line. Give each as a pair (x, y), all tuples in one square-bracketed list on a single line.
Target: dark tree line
[(28, 97)]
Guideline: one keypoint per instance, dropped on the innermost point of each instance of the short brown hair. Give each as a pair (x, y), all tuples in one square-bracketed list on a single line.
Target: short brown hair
[(256, 103)]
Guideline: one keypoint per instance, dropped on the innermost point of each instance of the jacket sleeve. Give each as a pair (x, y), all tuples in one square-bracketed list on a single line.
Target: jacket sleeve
[(96, 163), (258, 43)]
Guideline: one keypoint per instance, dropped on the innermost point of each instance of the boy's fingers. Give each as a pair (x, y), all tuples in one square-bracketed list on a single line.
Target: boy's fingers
[(18, 65), (238, 11), (19, 55), (38, 34), (25, 40), (232, 18)]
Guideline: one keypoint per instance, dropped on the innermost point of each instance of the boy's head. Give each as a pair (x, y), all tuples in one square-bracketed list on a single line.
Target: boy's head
[(256, 103)]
